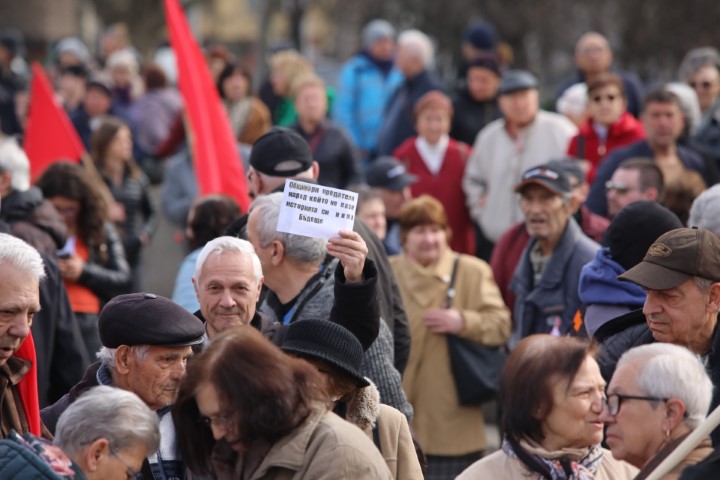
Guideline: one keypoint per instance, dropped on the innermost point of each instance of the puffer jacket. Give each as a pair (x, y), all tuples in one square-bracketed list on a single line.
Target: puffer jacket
[(110, 277)]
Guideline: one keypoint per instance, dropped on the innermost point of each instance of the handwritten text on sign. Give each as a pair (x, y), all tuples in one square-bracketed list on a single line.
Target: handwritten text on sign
[(316, 211)]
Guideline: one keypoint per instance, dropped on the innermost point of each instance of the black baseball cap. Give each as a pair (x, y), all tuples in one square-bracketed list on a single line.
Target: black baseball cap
[(389, 173), (281, 152)]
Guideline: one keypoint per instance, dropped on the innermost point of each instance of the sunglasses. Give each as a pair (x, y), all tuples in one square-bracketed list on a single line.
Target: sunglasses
[(619, 187), (600, 98), (704, 85)]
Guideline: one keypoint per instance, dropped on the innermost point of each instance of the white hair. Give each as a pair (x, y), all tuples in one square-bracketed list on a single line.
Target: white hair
[(705, 210), (419, 45), (123, 58), (21, 255), (298, 247), (14, 160), (573, 100), (107, 355), (228, 244), (117, 415), (689, 104), (672, 371)]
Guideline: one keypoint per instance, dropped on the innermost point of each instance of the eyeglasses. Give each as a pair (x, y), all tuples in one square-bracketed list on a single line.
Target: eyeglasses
[(223, 421), (614, 401), (705, 85), (619, 187), (129, 471), (600, 98), (68, 211)]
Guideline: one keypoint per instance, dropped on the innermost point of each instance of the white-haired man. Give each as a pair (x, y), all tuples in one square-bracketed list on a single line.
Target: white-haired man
[(21, 270), (304, 282), (415, 60)]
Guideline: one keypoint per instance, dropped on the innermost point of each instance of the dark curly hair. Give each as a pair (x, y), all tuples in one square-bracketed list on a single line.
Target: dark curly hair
[(71, 180), (270, 393)]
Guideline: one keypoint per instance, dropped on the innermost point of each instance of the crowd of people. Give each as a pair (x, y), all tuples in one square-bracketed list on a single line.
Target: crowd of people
[(567, 262)]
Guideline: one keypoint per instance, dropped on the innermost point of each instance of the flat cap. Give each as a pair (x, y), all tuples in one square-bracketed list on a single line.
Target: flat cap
[(148, 319), (516, 80)]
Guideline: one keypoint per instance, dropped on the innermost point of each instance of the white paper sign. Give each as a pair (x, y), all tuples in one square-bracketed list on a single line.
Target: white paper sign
[(316, 211)]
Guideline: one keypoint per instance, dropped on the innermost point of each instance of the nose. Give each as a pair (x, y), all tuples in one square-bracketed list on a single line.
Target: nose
[(20, 326), (218, 430), (605, 416), (227, 300), (651, 306), (177, 372)]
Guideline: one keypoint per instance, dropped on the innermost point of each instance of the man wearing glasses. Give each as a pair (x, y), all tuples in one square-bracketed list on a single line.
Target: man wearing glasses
[(635, 179)]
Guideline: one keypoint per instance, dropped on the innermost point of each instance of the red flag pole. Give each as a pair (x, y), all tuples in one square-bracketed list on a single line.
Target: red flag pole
[(218, 167), (50, 135)]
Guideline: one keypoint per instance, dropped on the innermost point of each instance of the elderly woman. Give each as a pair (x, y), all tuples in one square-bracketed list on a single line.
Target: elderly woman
[(658, 394), (438, 162), (246, 410), (337, 354), (551, 396), (609, 124), (451, 434)]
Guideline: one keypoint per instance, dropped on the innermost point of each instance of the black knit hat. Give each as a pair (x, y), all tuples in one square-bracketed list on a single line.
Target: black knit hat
[(635, 228), (281, 152), (148, 319), (328, 341)]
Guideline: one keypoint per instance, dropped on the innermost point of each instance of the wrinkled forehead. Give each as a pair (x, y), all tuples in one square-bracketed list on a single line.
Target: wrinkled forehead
[(228, 264)]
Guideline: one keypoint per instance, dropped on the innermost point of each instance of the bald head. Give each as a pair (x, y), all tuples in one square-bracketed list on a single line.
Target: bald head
[(593, 54)]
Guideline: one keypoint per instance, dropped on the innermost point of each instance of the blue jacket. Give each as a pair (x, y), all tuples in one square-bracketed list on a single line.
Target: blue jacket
[(599, 287), (362, 93), (399, 124), (554, 300), (597, 201)]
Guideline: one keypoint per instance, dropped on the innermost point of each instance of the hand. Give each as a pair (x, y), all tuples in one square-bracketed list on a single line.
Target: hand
[(116, 212), (351, 250), (144, 239), (71, 268), (444, 320)]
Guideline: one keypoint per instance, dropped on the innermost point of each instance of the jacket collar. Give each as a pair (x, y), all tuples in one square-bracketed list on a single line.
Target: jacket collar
[(555, 269), (13, 371), (289, 452)]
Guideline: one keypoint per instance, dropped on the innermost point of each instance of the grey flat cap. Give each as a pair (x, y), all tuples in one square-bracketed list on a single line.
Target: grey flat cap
[(516, 80)]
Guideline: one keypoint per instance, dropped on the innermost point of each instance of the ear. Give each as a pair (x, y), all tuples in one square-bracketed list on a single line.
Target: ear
[(315, 170), (260, 284), (714, 298), (674, 413), (122, 359), (96, 453), (277, 252), (195, 285)]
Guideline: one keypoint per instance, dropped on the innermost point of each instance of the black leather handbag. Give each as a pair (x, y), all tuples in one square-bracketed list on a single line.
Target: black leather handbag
[(475, 368)]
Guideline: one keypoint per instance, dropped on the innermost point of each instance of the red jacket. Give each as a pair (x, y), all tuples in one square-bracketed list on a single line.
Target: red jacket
[(623, 132), (446, 187)]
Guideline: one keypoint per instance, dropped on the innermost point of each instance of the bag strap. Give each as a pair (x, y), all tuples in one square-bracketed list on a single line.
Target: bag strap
[(450, 295)]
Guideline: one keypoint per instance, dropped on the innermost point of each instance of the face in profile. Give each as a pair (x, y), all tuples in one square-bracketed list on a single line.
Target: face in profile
[(19, 301)]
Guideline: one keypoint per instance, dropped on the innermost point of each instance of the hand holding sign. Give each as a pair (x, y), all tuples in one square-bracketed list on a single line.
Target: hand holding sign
[(315, 211), (351, 250)]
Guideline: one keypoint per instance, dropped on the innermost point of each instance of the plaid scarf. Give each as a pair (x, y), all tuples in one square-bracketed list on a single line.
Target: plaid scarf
[(583, 467)]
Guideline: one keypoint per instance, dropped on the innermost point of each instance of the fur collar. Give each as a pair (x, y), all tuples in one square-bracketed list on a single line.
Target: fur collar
[(363, 407)]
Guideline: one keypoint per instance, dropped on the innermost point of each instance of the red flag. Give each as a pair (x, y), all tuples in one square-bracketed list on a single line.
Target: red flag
[(50, 136), (28, 386), (218, 167)]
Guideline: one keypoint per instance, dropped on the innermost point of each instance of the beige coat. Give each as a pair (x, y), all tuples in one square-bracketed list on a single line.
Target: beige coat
[(396, 446), (499, 466), (442, 425), (324, 447)]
